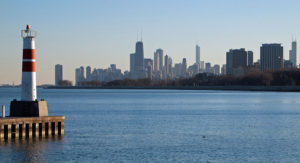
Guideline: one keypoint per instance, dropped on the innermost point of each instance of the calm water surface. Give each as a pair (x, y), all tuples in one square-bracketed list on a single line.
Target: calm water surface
[(164, 126)]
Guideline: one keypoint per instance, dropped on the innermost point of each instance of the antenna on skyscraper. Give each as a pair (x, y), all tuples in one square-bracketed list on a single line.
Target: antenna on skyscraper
[(137, 36), (142, 34), (293, 38)]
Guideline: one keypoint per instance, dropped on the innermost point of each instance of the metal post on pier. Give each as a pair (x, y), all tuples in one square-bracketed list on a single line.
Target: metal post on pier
[(3, 111)]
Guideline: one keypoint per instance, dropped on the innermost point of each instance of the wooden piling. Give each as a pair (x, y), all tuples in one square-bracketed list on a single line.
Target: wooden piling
[(1, 131), (28, 127)]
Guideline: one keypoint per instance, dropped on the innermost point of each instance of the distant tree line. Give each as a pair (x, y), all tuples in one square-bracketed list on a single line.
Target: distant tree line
[(287, 77), (65, 83), (290, 77)]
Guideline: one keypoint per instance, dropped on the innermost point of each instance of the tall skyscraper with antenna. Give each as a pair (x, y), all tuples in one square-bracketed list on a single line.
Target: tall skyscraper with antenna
[(293, 53), (139, 56), (137, 67)]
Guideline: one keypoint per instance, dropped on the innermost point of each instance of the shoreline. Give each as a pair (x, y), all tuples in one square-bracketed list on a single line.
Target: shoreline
[(224, 88)]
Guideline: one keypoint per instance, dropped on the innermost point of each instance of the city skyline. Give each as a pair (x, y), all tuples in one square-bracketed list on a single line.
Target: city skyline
[(139, 67), (176, 33)]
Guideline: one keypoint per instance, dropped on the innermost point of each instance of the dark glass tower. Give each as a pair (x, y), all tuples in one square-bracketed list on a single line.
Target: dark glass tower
[(139, 56), (271, 57)]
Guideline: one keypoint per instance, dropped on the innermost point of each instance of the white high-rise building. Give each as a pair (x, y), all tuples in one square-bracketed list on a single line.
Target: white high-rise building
[(293, 54), (202, 65), (198, 54)]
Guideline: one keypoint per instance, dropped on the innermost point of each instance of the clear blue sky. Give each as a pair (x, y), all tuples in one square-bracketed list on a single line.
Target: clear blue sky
[(98, 33)]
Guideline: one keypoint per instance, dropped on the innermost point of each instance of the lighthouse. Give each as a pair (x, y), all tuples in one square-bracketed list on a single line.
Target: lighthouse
[(28, 117), (29, 105), (28, 65)]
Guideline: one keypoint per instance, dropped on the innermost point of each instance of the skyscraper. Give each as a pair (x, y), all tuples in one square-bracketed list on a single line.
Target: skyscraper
[(216, 69), (202, 65), (271, 57), (139, 56), (79, 75), (194, 69), (113, 67), (236, 61), (250, 58), (223, 70), (156, 61), (161, 59), (198, 54), (287, 64), (178, 69), (184, 67), (137, 66), (88, 73), (132, 62), (148, 67), (293, 54), (148, 62), (170, 67), (58, 74), (166, 65), (207, 67)]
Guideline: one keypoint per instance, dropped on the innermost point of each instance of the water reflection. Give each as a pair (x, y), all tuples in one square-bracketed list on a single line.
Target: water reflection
[(27, 150)]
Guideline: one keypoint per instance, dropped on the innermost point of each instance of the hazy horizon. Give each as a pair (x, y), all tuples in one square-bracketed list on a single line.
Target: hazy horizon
[(100, 33)]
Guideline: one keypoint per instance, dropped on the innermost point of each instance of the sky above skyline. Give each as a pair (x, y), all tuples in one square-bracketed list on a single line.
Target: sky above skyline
[(98, 33)]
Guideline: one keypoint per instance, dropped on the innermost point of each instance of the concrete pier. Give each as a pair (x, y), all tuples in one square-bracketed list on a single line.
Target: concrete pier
[(28, 127)]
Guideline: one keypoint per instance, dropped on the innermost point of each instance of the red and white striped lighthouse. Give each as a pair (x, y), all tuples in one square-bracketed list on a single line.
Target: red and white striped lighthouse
[(28, 65)]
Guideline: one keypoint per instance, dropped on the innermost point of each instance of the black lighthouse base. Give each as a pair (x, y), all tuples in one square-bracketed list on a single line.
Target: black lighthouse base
[(28, 108)]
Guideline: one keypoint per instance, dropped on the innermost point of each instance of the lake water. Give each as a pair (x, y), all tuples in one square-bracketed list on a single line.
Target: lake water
[(164, 126)]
